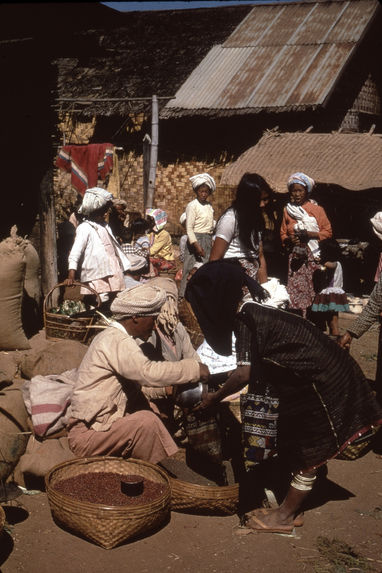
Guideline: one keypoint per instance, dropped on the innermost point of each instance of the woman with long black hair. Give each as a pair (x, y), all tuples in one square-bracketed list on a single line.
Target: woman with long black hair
[(238, 231)]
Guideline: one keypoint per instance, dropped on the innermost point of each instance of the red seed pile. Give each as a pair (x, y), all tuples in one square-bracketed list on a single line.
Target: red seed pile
[(105, 488)]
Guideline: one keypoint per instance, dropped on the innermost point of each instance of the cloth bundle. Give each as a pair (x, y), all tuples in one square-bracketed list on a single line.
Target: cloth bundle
[(47, 400), (305, 222)]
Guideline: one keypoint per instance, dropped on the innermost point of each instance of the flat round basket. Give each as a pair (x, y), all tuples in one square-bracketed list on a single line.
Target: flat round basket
[(189, 320), (107, 526), (203, 499), (58, 326)]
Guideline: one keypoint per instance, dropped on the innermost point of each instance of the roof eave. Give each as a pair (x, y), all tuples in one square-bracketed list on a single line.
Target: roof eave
[(176, 113)]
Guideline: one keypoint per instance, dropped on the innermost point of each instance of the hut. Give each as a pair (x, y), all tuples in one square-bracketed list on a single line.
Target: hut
[(348, 174)]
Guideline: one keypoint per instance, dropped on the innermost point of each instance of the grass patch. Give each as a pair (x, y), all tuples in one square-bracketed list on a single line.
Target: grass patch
[(338, 557)]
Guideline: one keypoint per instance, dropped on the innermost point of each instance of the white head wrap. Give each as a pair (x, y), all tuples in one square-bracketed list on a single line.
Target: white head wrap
[(376, 222), (182, 218), (94, 199), (203, 179), (141, 300), (301, 179), (137, 262)]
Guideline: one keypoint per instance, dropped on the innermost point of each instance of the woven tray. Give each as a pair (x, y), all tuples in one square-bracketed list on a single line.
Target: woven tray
[(59, 326), (203, 499), (189, 320), (107, 526)]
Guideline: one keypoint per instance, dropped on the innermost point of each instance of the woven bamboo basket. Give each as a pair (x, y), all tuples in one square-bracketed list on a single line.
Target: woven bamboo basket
[(203, 499), (58, 326), (190, 322), (107, 526)]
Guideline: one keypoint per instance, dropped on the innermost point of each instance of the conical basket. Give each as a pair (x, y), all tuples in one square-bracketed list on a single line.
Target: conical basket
[(107, 526)]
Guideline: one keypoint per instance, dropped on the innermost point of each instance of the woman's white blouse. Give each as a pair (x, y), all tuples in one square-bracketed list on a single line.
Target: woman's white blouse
[(227, 229)]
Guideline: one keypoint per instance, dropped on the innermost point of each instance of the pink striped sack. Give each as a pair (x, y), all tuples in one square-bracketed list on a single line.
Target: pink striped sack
[(47, 400)]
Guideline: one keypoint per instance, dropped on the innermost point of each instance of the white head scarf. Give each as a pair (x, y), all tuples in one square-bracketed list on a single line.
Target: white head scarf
[(203, 179), (376, 222), (301, 179), (94, 199), (137, 262)]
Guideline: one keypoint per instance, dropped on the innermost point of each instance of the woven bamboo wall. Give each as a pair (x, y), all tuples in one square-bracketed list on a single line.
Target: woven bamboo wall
[(172, 187)]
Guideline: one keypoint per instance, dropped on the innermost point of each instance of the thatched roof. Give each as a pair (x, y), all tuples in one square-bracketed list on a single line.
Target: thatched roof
[(352, 161), (149, 53)]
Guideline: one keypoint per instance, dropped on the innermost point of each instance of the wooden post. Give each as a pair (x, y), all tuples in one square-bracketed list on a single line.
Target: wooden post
[(146, 167), (153, 153), (48, 243)]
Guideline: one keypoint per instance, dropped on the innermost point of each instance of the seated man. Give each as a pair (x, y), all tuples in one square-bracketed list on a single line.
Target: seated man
[(110, 415), (168, 341)]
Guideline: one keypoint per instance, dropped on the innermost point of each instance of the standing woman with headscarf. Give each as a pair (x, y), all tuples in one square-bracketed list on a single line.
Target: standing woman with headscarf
[(199, 225), (238, 231), (304, 224), (96, 254)]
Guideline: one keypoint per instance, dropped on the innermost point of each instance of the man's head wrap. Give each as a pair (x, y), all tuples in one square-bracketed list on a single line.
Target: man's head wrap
[(159, 216), (95, 198), (141, 300), (120, 202), (168, 317), (376, 222), (301, 179), (203, 179), (137, 262)]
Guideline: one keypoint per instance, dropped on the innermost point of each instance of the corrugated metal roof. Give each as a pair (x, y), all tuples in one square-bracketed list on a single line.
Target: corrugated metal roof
[(352, 161), (280, 57)]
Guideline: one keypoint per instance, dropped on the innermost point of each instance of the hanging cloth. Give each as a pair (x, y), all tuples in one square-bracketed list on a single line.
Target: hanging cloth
[(86, 163)]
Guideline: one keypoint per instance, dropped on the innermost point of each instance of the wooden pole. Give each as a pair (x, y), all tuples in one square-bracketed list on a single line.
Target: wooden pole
[(153, 153), (48, 243), (146, 167)]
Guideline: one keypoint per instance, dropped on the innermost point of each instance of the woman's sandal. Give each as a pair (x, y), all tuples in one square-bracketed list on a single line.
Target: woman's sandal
[(297, 522), (256, 524)]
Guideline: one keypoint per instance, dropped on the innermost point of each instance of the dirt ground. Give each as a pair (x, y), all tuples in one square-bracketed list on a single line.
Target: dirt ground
[(342, 530)]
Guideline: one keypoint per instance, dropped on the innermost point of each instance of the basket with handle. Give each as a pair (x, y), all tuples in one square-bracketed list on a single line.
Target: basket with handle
[(58, 326), (188, 497), (108, 525)]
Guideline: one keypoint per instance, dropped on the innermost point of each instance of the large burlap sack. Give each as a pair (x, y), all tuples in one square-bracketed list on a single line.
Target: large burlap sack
[(9, 366), (53, 357), (12, 272), (32, 294), (13, 422), (41, 457)]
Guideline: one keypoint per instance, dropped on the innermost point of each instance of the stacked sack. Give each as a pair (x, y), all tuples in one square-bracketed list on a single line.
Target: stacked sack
[(20, 292)]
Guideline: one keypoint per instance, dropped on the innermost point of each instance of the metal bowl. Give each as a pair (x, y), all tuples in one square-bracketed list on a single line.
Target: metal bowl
[(189, 395)]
